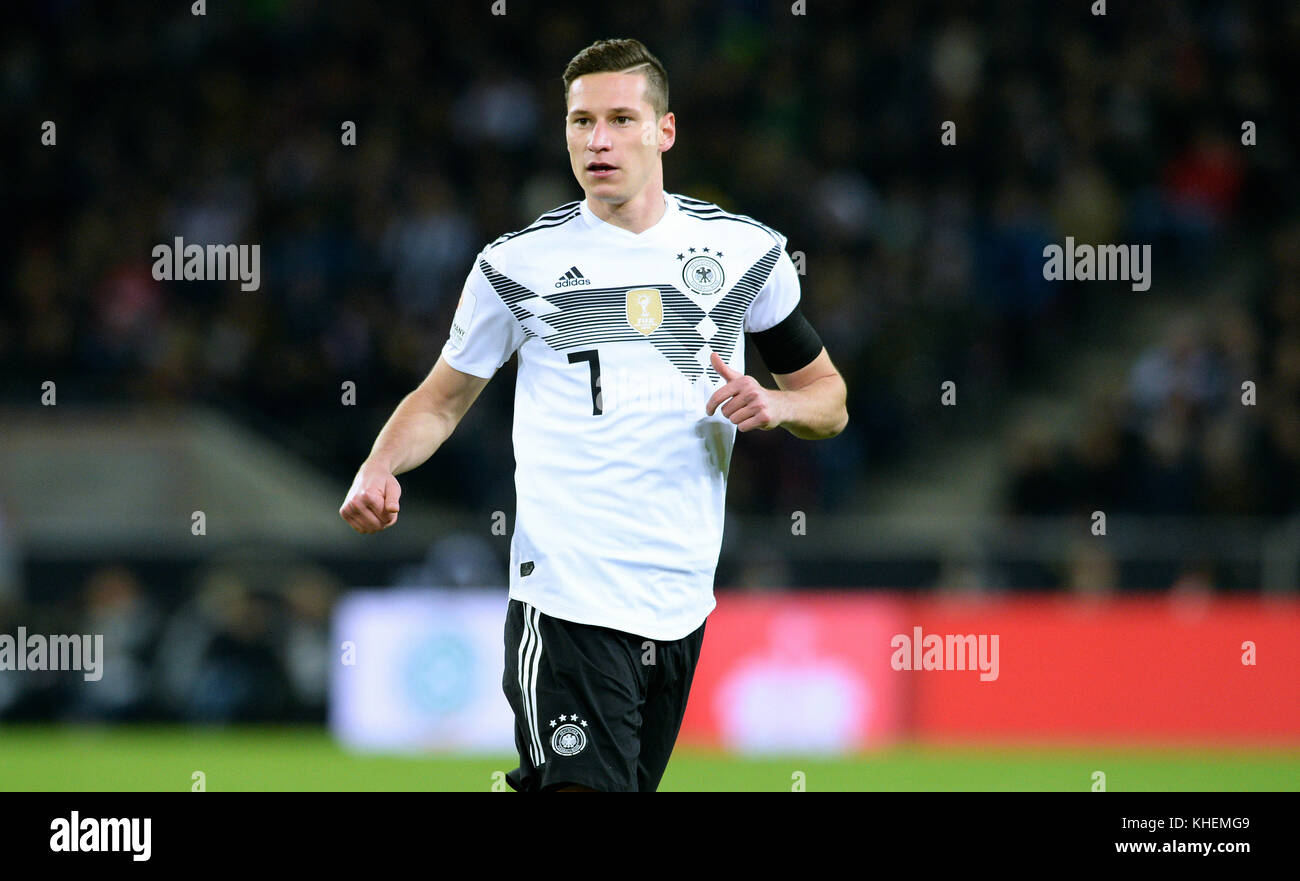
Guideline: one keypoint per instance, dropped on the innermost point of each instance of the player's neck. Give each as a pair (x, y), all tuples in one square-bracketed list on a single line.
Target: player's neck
[(637, 214)]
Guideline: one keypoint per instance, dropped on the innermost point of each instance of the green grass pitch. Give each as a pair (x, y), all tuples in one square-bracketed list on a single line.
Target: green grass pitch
[(93, 759)]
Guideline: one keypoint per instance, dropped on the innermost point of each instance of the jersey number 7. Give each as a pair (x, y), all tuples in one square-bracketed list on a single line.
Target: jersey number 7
[(592, 357)]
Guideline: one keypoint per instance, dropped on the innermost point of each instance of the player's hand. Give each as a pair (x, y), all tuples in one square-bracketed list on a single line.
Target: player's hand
[(748, 405), (371, 504)]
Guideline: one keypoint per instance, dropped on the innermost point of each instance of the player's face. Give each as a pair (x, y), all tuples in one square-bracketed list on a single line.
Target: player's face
[(614, 136)]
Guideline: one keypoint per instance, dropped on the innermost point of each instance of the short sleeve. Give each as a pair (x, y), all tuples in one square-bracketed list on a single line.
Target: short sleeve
[(777, 298), (484, 332)]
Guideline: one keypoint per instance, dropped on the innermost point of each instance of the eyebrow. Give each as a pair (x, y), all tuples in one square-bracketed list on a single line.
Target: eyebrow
[(623, 110)]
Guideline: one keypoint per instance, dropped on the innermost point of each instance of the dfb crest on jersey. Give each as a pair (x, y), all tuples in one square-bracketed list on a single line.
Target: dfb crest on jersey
[(703, 274), (645, 309), (570, 738)]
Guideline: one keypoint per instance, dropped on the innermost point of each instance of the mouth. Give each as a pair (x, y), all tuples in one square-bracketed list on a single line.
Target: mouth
[(600, 169)]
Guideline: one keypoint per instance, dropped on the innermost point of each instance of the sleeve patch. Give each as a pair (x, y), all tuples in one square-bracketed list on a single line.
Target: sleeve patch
[(464, 316)]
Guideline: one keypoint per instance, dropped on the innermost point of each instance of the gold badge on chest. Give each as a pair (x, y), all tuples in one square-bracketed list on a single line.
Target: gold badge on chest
[(645, 310)]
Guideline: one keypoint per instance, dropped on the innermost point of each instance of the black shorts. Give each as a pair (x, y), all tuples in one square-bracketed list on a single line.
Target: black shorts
[(593, 706)]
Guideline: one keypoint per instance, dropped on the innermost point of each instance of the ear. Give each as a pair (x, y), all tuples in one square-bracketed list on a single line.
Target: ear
[(667, 131)]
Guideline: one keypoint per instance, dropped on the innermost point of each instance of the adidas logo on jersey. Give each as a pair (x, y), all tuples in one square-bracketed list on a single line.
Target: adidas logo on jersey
[(572, 278)]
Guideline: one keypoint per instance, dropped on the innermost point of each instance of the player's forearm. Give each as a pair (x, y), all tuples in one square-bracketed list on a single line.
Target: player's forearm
[(412, 434), (816, 411)]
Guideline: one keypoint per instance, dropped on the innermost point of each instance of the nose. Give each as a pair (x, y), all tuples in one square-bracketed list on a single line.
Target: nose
[(599, 138)]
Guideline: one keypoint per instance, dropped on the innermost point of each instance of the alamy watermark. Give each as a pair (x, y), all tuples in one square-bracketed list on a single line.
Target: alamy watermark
[(950, 651), (57, 652), (182, 262), (78, 834), (1073, 262)]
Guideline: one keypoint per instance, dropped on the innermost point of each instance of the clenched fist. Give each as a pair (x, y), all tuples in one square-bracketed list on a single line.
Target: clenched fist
[(371, 504)]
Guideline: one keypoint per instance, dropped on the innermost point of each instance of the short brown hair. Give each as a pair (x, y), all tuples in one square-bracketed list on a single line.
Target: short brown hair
[(622, 56)]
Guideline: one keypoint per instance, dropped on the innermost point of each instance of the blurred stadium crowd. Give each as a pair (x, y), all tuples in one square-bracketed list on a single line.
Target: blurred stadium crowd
[(250, 644), (1177, 439), (924, 261)]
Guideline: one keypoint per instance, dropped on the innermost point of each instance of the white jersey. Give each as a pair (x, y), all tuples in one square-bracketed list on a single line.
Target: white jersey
[(620, 476)]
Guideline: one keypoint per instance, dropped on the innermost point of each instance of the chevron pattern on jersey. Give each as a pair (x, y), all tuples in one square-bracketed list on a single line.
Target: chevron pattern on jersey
[(708, 211), (581, 318), (554, 217)]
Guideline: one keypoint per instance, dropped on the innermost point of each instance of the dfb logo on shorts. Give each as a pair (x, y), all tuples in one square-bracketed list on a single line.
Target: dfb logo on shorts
[(569, 738)]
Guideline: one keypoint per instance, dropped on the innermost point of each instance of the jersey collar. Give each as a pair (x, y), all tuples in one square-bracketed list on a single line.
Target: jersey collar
[(671, 212)]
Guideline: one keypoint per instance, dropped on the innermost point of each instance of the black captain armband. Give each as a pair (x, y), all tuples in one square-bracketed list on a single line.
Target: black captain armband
[(789, 345)]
